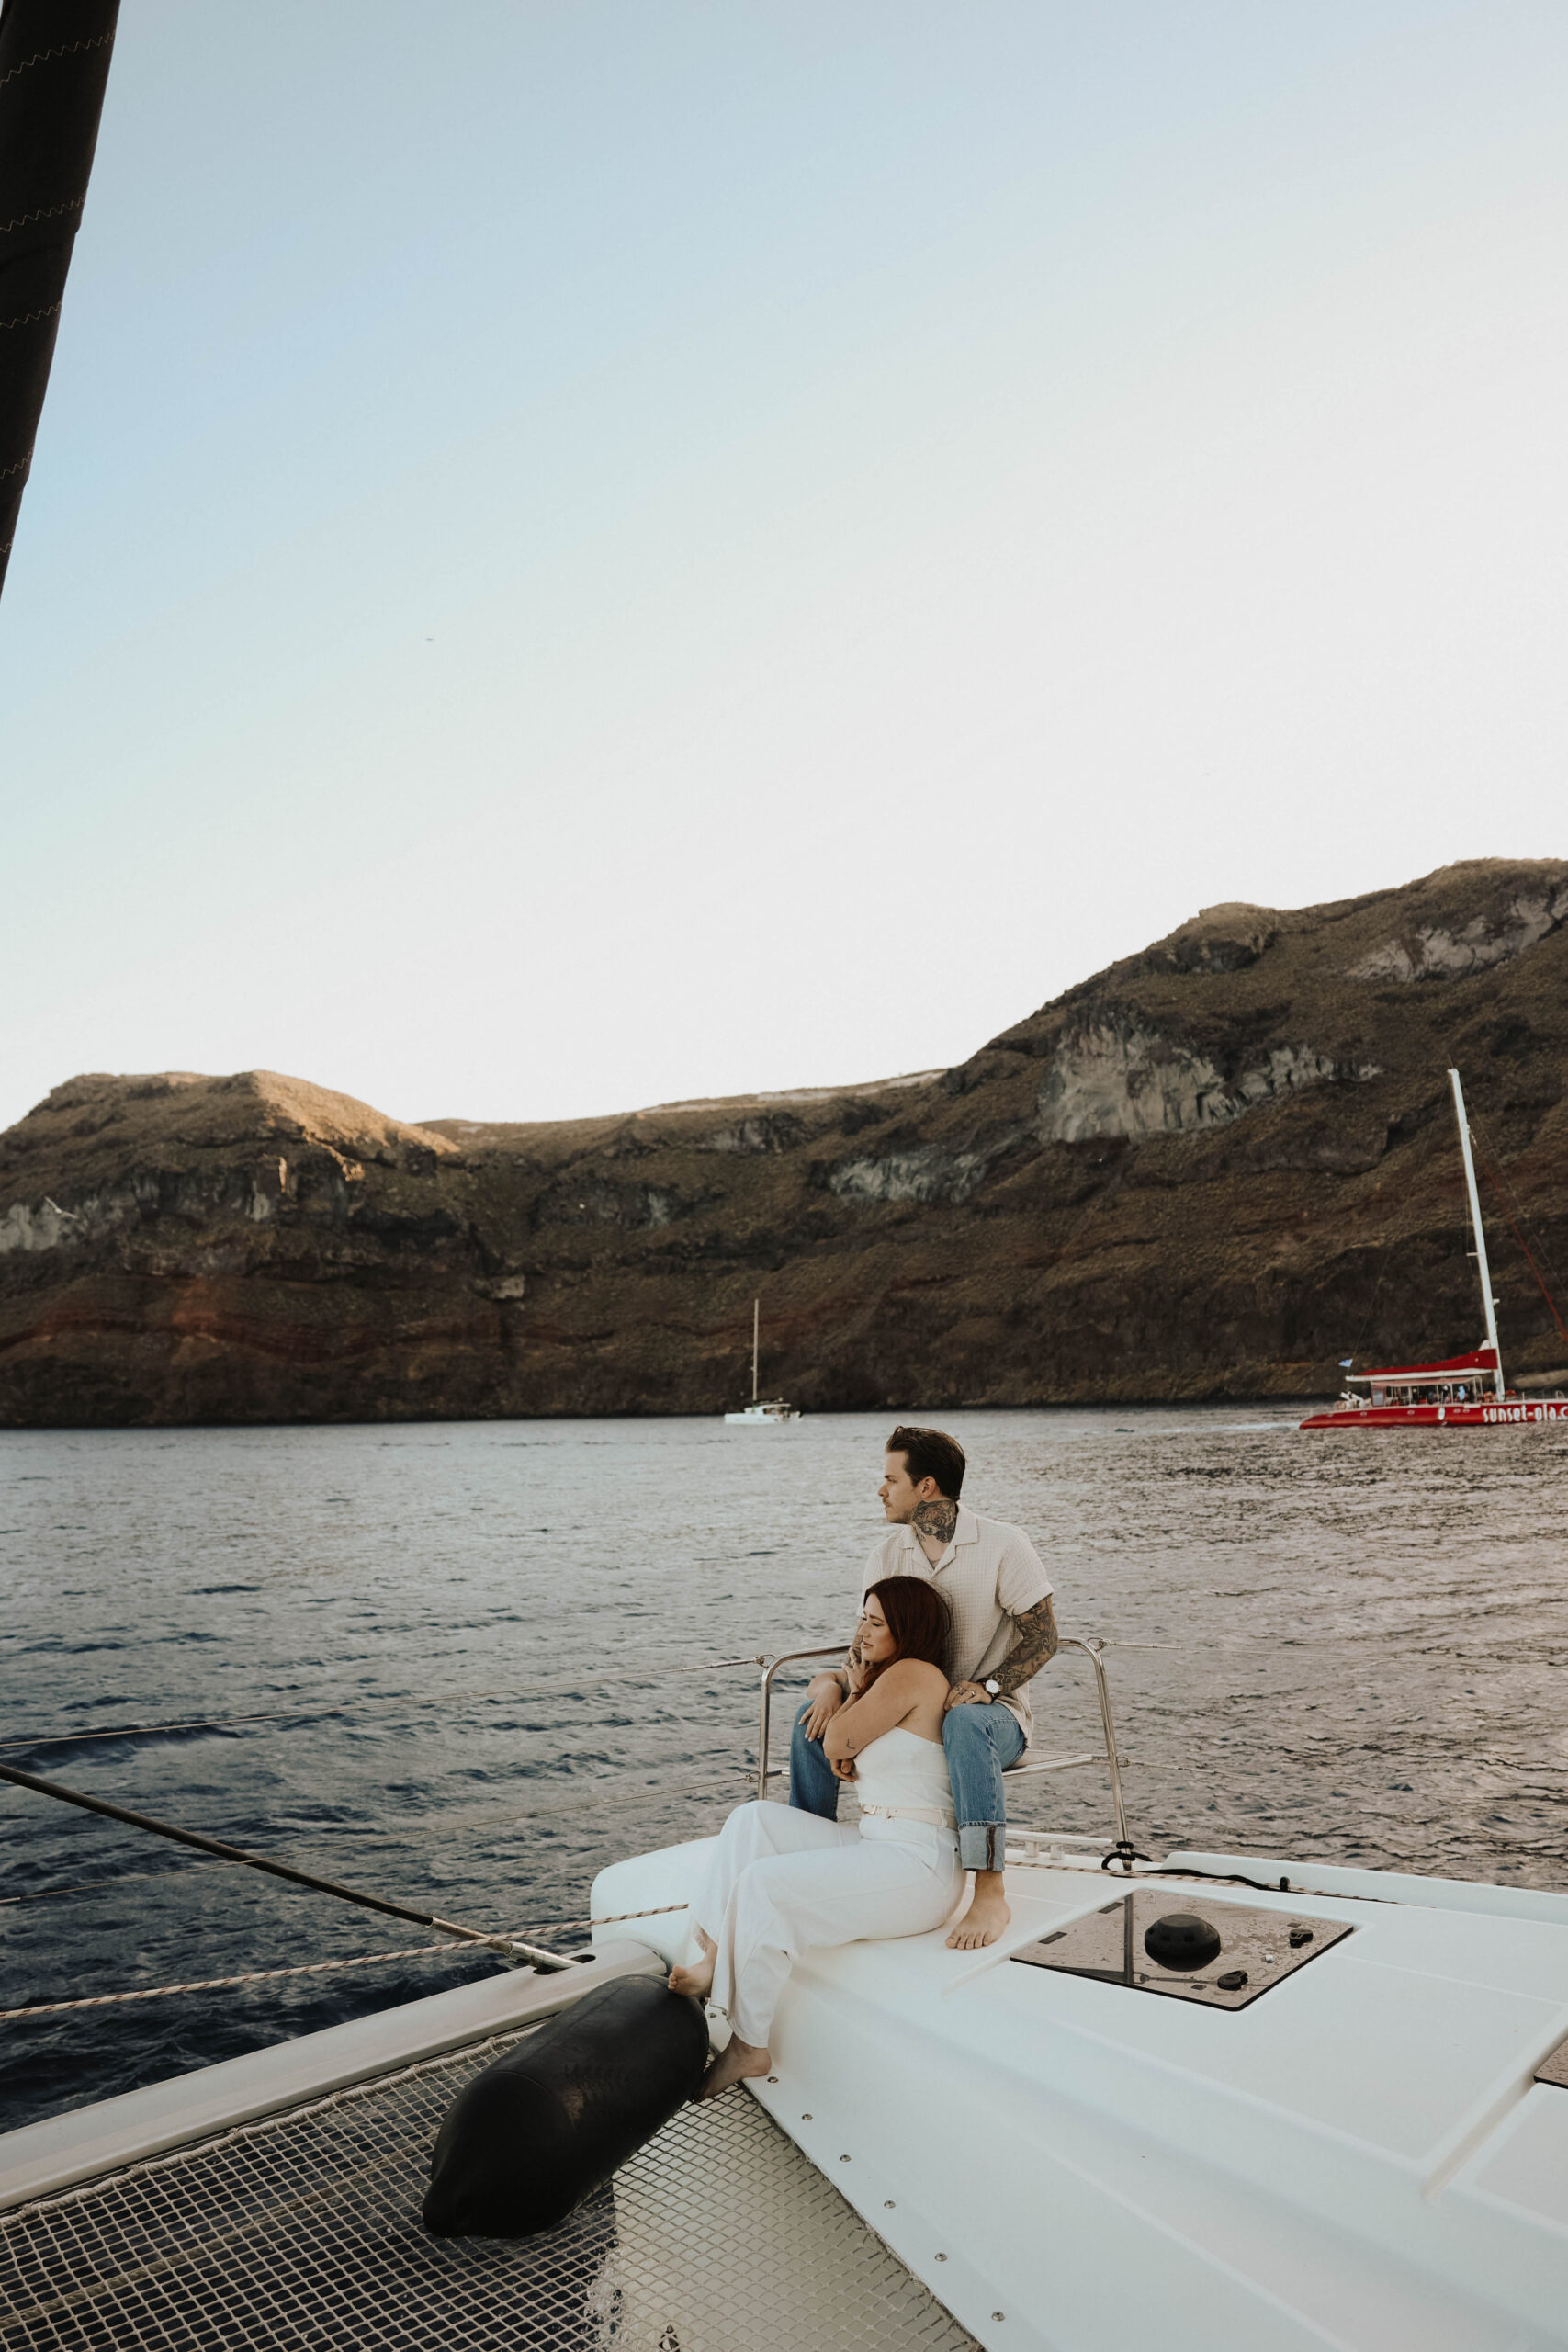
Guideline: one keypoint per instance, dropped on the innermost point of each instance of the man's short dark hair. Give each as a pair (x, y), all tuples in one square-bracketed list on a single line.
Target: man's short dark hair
[(930, 1453)]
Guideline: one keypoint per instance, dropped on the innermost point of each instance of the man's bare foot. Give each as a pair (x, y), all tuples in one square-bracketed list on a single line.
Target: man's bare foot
[(987, 1917), (733, 2065)]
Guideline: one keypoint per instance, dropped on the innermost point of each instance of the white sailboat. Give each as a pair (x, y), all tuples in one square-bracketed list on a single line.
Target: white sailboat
[(762, 1413)]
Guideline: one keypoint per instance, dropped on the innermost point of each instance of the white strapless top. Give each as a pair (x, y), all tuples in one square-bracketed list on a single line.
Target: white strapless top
[(902, 1776)]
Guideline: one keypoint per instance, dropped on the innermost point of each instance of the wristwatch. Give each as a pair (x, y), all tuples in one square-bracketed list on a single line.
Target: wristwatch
[(992, 1688)]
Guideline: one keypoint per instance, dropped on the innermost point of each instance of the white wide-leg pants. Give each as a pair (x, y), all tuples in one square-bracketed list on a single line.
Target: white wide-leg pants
[(780, 1879)]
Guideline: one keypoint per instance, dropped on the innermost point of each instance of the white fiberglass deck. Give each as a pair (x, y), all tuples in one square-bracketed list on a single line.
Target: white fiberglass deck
[(1359, 2158)]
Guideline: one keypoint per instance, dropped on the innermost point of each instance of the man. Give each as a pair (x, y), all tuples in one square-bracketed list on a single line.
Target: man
[(1003, 1632)]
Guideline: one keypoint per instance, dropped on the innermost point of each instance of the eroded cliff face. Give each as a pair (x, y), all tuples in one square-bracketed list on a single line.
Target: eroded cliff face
[(1212, 1169)]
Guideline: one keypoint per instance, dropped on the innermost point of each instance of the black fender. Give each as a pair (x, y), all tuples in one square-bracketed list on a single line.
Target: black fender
[(540, 2130)]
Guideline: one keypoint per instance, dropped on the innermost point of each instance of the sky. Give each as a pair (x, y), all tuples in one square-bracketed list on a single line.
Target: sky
[(593, 554)]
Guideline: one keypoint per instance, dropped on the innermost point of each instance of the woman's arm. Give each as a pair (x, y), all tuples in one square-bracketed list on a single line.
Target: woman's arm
[(891, 1700)]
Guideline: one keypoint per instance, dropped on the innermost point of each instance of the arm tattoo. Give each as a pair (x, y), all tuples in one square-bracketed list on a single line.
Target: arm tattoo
[(1036, 1642), (936, 1519)]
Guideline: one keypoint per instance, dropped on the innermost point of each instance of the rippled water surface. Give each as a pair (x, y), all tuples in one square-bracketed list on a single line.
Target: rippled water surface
[(466, 1649)]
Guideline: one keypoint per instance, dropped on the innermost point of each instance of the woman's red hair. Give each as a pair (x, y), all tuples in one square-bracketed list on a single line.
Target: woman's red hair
[(918, 1620)]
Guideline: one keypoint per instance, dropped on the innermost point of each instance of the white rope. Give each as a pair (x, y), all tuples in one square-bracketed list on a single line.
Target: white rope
[(312, 1967), (220, 1984)]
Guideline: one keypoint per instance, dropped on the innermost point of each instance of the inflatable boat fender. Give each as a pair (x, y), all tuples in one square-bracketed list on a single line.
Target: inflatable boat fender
[(538, 2131)]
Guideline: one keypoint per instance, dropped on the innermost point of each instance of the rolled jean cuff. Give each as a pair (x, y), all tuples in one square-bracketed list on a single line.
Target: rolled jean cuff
[(982, 1845)]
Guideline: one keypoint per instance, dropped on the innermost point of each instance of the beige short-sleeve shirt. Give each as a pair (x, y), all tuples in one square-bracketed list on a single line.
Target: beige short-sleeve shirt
[(990, 1573)]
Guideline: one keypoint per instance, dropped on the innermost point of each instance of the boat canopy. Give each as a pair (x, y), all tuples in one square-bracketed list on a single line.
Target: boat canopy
[(1418, 1376)]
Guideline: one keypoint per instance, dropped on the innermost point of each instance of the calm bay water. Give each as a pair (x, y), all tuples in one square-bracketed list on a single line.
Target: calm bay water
[(483, 1631)]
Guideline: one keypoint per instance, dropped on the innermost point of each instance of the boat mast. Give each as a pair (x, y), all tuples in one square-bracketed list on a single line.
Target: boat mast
[(756, 1329), (1482, 1267)]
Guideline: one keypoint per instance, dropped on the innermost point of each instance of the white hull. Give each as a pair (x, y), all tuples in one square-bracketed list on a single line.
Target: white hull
[(1359, 2158)]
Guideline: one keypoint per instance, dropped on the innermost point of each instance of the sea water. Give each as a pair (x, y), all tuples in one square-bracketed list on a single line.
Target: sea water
[(461, 1666)]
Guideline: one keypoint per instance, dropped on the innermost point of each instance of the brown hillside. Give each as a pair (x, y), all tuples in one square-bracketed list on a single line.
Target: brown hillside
[(1212, 1169)]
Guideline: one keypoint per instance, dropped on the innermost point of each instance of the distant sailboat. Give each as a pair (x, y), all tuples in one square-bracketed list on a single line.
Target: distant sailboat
[(762, 1413), (1463, 1392)]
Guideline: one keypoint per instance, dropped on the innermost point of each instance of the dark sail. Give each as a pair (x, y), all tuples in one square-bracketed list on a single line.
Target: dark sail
[(54, 62)]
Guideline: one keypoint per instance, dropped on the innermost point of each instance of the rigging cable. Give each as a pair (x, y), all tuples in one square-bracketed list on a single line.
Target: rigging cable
[(445, 1824), (1506, 1193), (275, 1869), (92, 1885), (1372, 1310), (220, 1984), (408, 1698), (336, 1706), (1505, 1190), (307, 1968)]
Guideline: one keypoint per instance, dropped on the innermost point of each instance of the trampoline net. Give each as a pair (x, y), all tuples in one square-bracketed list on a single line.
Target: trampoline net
[(303, 2231)]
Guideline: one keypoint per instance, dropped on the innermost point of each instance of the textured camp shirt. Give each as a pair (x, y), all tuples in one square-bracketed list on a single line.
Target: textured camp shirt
[(989, 1574)]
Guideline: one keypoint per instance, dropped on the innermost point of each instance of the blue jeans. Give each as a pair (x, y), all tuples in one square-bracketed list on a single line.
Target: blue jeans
[(980, 1743)]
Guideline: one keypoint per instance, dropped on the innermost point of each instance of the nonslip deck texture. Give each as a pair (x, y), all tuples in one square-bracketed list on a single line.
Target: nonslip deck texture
[(303, 2232)]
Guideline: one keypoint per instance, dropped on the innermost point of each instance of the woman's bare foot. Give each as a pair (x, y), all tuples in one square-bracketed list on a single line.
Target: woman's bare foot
[(986, 1917), (697, 1980), (733, 2065)]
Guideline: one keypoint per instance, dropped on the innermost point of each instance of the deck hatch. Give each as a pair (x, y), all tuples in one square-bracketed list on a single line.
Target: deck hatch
[(1256, 1948)]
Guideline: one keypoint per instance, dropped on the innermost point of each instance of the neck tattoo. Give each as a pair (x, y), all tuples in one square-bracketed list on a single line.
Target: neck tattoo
[(935, 1522)]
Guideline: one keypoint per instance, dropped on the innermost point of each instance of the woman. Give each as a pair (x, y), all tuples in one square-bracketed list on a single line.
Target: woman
[(780, 1879)]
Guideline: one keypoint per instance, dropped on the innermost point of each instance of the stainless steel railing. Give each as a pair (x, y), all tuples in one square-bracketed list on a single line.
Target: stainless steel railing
[(771, 1667), (1029, 1766)]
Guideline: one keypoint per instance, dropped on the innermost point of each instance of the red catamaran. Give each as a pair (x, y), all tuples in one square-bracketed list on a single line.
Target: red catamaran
[(1463, 1392)]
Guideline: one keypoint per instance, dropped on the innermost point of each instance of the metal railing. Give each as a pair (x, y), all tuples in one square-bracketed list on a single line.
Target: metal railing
[(1029, 1766), (770, 1668)]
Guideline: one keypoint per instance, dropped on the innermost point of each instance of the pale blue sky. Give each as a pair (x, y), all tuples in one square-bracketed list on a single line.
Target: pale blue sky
[(582, 555)]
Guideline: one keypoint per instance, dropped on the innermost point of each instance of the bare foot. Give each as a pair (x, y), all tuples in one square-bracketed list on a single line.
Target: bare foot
[(697, 1980), (733, 2065), (987, 1917)]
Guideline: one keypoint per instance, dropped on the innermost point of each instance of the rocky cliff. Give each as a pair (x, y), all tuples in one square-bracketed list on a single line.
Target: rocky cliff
[(1210, 1170)]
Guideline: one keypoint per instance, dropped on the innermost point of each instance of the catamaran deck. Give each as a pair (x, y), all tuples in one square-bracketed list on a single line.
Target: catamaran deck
[(1367, 2151), (1366, 2147), (300, 2231), (1345, 2125)]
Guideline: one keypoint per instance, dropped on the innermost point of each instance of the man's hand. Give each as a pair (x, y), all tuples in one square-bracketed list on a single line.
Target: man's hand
[(966, 1694), (826, 1693), (843, 1768)]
